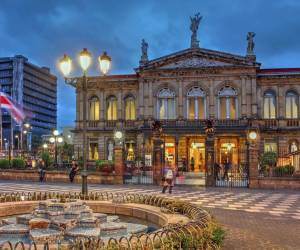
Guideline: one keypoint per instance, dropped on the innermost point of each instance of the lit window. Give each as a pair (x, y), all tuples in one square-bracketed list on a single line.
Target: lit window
[(112, 108), (130, 109), (94, 108), (196, 105), (269, 105), (93, 151), (166, 104), (270, 147), (291, 105), (227, 103)]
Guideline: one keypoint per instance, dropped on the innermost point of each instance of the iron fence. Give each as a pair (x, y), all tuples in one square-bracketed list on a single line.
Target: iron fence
[(280, 163)]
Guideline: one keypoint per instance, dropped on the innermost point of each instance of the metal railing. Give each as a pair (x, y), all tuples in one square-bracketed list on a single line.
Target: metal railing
[(173, 236)]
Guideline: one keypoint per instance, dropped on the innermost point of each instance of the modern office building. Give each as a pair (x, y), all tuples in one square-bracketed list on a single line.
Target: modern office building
[(35, 89)]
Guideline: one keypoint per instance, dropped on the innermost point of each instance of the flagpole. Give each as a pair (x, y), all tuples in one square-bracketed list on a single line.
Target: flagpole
[(11, 136), (1, 132)]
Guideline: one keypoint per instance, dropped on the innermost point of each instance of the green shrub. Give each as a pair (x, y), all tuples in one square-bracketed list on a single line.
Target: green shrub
[(268, 159), (284, 170), (103, 163), (46, 158), (218, 235), (17, 163), (4, 164), (289, 169)]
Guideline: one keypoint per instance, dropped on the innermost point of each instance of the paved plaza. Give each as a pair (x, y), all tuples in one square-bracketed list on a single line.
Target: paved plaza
[(254, 219)]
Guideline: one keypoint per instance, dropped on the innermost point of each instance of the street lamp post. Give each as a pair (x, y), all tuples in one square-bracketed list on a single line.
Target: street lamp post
[(56, 139), (85, 61)]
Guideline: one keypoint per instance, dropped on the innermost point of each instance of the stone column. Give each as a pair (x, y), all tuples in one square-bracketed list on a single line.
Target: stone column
[(254, 97), (176, 150), (212, 102), (281, 103), (119, 164), (209, 159), (253, 151), (244, 98), (151, 113), (141, 99), (180, 98), (120, 97), (158, 156), (102, 104)]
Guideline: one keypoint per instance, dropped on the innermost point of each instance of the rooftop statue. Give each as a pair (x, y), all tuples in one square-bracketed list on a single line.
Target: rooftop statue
[(251, 44), (144, 56), (194, 28)]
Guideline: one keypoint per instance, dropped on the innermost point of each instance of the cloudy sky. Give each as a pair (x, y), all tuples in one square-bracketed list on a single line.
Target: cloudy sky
[(44, 30)]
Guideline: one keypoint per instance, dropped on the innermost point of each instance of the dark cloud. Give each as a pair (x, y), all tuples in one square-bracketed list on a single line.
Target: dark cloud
[(44, 30)]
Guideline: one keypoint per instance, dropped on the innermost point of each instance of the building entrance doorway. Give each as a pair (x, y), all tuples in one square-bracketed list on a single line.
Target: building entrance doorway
[(228, 151), (196, 151), (170, 152)]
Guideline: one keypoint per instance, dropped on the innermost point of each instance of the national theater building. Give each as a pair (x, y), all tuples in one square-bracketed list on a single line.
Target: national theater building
[(184, 89)]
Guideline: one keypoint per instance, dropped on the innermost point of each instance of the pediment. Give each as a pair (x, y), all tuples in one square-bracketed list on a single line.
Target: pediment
[(197, 58), (195, 62)]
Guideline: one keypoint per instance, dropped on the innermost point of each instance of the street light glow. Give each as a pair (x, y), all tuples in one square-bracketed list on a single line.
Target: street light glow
[(60, 139), (85, 59), (52, 139), (118, 135), (65, 65), (252, 135), (27, 125), (45, 145), (104, 63), (55, 133)]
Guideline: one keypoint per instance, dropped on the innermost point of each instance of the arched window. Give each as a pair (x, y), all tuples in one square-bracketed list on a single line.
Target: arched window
[(94, 107), (228, 103), (196, 106), (166, 104), (130, 113), (269, 105), (294, 146), (112, 108), (291, 105)]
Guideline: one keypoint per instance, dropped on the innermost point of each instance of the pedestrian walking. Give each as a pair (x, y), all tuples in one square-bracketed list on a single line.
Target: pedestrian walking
[(168, 179), (192, 164), (217, 169), (73, 172), (226, 169), (42, 170)]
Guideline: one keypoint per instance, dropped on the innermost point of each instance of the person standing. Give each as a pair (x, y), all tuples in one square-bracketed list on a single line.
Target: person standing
[(226, 170), (192, 164), (73, 172), (42, 171), (168, 179), (217, 169)]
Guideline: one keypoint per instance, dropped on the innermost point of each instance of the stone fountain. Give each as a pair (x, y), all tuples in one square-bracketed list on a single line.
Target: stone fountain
[(58, 220)]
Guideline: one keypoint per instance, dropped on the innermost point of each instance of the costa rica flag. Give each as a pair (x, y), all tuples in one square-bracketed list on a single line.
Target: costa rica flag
[(13, 108)]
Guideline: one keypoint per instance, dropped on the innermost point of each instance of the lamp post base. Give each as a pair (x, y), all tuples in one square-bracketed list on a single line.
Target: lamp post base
[(84, 187)]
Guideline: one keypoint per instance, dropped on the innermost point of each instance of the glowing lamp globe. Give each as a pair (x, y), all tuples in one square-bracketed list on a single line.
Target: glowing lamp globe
[(118, 135), (60, 139), (52, 139), (252, 135), (55, 132), (65, 65), (85, 59), (104, 63)]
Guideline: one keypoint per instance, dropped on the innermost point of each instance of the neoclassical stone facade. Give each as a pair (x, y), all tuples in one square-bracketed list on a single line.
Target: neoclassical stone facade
[(232, 90), (184, 89)]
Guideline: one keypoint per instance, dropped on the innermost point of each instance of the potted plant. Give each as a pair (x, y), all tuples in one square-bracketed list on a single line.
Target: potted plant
[(104, 166), (268, 162)]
